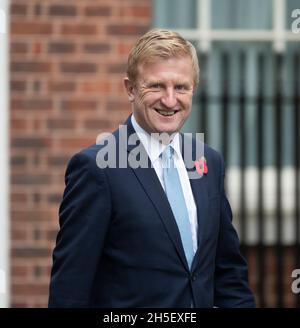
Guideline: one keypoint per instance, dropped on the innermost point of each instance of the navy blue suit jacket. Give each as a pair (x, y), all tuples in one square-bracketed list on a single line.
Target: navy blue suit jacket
[(119, 245)]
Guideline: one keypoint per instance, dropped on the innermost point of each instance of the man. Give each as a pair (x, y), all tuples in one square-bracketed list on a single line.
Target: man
[(150, 235)]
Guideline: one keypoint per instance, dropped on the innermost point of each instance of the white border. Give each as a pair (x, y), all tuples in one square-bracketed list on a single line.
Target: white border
[(4, 162)]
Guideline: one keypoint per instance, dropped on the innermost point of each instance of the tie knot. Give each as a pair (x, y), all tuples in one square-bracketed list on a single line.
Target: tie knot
[(168, 156), (169, 151)]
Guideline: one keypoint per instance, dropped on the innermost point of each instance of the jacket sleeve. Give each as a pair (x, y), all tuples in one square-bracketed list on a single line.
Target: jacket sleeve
[(84, 217), (231, 273)]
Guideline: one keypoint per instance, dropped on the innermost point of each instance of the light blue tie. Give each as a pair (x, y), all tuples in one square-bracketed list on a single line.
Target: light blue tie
[(175, 196)]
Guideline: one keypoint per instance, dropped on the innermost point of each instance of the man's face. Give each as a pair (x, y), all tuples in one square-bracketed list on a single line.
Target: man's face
[(162, 95)]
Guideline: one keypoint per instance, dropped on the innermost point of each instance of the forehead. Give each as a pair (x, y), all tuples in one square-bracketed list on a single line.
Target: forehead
[(160, 68)]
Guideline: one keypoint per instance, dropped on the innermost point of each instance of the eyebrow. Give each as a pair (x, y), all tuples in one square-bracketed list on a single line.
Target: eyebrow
[(184, 83)]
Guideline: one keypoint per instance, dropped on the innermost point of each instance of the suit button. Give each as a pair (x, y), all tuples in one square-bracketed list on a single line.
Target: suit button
[(194, 277)]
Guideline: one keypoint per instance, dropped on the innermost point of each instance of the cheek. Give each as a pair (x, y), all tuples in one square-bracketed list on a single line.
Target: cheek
[(186, 102), (149, 99)]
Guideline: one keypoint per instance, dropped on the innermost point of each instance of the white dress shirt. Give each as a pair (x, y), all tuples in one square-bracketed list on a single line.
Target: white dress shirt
[(154, 148)]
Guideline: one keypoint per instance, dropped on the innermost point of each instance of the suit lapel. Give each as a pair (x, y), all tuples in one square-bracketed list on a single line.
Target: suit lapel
[(154, 190), (200, 192), (201, 199)]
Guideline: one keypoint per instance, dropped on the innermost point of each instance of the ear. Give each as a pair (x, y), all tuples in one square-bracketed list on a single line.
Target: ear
[(129, 89)]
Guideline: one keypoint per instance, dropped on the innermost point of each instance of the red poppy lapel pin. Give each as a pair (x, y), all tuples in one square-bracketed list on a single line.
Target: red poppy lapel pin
[(201, 166)]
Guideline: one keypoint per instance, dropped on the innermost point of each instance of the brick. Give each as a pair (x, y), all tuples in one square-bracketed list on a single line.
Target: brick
[(97, 124), (79, 105), (78, 29), (62, 10), (19, 48), (19, 271), (113, 105), (96, 48), (76, 143), (61, 86), (141, 11), (17, 9), (37, 124), (61, 47), (54, 198), (28, 142), (30, 289), (128, 29), (102, 87), (135, 12), (116, 68), (38, 48), (31, 67), (124, 48), (18, 234), (31, 28), (52, 234), (17, 85), (97, 11), (30, 179), (18, 197), (78, 67), (59, 124), (32, 104), (18, 160), (57, 160), (18, 124)]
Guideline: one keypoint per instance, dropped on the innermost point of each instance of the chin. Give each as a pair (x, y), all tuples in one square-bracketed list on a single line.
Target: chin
[(166, 129)]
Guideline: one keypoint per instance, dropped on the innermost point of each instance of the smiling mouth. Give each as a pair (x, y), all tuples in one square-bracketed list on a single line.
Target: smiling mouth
[(166, 112)]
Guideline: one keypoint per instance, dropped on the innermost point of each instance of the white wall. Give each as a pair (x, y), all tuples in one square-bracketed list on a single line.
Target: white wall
[(4, 156)]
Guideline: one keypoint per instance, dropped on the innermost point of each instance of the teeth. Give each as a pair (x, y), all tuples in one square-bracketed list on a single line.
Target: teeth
[(166, 113)]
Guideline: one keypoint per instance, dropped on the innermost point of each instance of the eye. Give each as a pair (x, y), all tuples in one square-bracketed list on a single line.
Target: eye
[(181, 87)]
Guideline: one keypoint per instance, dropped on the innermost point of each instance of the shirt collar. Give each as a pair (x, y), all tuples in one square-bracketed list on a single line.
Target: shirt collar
[(152, 145)]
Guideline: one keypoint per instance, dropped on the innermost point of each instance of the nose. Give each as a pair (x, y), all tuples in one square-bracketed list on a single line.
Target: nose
[(169, 98)]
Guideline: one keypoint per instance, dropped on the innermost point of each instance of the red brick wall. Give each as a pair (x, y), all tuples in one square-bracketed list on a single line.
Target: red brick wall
[(67, 64)]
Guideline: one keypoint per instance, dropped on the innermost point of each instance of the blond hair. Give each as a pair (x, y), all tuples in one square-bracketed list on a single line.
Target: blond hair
[(160, 43)]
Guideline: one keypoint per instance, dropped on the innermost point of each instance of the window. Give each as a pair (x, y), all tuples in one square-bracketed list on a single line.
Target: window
[(248, 61)]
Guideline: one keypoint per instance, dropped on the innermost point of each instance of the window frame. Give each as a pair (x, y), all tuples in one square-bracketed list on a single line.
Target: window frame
[(204, 34)]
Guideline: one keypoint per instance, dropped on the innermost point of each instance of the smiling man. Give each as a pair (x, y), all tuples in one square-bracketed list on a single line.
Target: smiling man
[(161, 94), (150, 236)]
